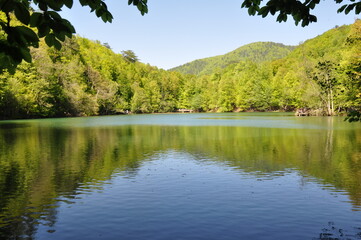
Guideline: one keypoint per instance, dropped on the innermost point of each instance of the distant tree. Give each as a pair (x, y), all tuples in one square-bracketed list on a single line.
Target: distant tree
[(107, 45), (300, 11), (130, 56)]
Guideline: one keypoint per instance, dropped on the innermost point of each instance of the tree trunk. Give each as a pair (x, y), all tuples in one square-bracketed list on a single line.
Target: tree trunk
[(332, 105)]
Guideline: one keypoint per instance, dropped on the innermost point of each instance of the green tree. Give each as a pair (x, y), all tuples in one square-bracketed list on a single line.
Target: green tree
[(130, 56), (352, 70), (22, 26), (300, 11), (16, 40), (326, 79)]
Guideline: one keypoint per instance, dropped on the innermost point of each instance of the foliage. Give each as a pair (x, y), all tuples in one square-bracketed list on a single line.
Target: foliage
[(321, 74), (23, 27), (130, 56), (300, 11), (87, 78), (325, 77), (255, 52)]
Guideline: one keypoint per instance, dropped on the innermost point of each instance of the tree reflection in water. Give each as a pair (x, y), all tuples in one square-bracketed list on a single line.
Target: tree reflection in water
[(42, 165)]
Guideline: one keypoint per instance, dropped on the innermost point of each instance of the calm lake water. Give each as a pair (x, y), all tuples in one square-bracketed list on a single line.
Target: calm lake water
[(181, 176)]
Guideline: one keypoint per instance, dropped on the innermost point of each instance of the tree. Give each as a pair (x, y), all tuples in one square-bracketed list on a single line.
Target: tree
[(298, 10), (325, 78), (18, 20), (352, 68), (130, 56), (22, 26)]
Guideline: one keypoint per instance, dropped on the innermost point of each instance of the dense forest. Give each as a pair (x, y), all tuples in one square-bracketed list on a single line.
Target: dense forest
[(87, 78), (255, 52)]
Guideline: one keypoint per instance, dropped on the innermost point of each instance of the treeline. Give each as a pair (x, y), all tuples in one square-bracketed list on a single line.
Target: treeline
[(257, 52), (86, 78), (323, 75)]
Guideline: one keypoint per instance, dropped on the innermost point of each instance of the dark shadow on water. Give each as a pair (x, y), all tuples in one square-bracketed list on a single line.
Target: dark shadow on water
[(332, 232), (13, 125)]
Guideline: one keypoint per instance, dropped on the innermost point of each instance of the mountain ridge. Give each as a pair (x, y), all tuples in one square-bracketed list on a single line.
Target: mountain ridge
[(255, 52)]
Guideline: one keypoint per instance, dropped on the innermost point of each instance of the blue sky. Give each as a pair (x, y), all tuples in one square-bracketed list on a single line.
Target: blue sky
[(175, 32)]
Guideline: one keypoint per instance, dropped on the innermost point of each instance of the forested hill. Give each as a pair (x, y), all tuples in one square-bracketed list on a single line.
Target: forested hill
[(322, 75), (87, 78), (255, 52)]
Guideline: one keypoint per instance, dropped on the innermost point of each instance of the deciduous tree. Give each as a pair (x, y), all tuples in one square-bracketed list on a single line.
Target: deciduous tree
[(22, 26), (299, 10)]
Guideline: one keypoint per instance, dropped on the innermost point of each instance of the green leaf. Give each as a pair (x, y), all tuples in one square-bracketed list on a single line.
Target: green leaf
[(305, 22), (140, 7), (55, 15), (313, 18), (251, 11), (358, 8), (312, 5), (349, 8), (36, 19), (49, 40), (43, 30), (25, 54), (104, 18), (68, 3), (29, 35), (7, 6), (55, 4), (110, 17), (83, 2), (15, 54), (279, 18), (22, 13), (263, 11), (57, 44), (43, 6), (69, 28), (341, 9), (99, 12), (15, 37), (60, 36)]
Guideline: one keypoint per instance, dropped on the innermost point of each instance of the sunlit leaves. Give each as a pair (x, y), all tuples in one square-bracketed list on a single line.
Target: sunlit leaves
[(46, 23)]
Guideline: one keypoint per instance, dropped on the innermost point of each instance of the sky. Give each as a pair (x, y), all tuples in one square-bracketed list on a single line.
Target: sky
[(175, 32)]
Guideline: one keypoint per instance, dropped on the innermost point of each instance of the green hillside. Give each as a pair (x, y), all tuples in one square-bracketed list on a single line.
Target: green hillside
[(255, 52), (86, 78), (322, 75)]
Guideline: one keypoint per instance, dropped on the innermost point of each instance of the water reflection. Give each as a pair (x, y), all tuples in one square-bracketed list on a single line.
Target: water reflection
[(42, 166)]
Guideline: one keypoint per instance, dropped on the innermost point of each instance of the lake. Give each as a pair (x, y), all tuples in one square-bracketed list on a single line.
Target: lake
[(181, 176)]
